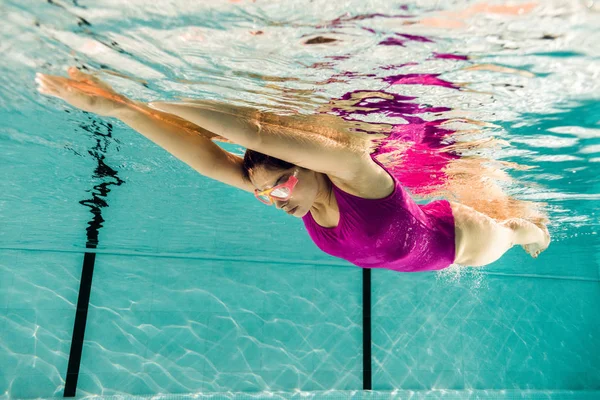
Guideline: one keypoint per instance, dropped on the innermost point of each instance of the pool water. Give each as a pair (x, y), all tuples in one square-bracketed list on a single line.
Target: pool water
[(125, 273)]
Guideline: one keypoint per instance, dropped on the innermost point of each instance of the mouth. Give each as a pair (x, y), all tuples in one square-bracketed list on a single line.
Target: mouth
[(293, 210)]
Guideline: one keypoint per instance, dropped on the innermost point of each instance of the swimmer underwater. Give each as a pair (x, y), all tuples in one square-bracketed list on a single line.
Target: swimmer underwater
[(350, 205)]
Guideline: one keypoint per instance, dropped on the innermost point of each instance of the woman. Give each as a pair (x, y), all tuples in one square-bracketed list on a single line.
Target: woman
[(351, 206)]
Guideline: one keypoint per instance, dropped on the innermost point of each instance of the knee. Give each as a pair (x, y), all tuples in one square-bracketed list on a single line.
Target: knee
[(521, 230), (514, 224), (488, 244)]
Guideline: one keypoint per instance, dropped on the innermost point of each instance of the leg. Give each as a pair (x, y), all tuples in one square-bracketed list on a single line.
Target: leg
[(480, 240), (534, 239)]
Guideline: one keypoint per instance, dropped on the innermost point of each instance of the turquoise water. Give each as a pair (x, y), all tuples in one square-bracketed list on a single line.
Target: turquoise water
[(199, 289)]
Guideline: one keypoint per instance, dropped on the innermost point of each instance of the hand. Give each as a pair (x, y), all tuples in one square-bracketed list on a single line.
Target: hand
[(83, 91)]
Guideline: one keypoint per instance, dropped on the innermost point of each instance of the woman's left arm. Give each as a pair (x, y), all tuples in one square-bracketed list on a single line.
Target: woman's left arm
[(328, 151)]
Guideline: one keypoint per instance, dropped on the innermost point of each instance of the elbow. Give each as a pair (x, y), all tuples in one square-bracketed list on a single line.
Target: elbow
[(254, 139)]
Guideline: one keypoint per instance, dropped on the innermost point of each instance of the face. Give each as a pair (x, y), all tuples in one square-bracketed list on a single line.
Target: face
[(303, 195)]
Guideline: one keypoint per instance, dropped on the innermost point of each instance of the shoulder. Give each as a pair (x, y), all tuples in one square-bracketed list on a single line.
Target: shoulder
[(370, 181)]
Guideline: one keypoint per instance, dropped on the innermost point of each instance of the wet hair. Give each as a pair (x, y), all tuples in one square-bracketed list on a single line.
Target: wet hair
[(253, 159)]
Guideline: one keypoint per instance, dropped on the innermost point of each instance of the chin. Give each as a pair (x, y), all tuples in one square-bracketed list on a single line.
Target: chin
[(299, 213)]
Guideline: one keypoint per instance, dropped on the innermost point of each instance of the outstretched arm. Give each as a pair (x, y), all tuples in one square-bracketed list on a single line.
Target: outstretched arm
[(184, 140), (320, 145), (187, 145)]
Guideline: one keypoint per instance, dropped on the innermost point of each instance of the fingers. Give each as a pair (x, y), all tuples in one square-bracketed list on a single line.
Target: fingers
[(92, 82), (76, 74), (46, 85), (51, 81), (79, 90), (55, 86), (79, 76), (54, 79), (41, 85)]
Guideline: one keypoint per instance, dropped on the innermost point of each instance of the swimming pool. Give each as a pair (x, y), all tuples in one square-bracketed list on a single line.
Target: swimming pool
[(196, 289)]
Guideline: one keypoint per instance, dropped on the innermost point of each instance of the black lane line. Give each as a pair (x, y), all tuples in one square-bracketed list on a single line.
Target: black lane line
[(367, 372), (102, 133), (85, 288)]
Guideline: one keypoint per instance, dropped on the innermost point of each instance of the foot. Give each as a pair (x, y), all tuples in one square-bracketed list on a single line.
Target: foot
[(534, 249)]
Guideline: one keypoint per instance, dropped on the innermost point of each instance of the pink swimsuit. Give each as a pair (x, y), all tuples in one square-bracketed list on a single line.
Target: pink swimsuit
[(392, 233)]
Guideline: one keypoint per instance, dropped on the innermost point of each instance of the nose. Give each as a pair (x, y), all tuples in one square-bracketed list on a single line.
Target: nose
[(280, 204)]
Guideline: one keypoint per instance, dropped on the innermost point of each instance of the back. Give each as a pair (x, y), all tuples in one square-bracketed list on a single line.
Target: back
[(392, 233)]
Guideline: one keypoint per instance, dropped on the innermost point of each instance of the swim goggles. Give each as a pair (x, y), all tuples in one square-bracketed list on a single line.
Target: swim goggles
[(279, 192)]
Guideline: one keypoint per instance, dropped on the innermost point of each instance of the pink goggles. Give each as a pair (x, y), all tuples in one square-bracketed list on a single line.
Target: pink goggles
[(279, 192)]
